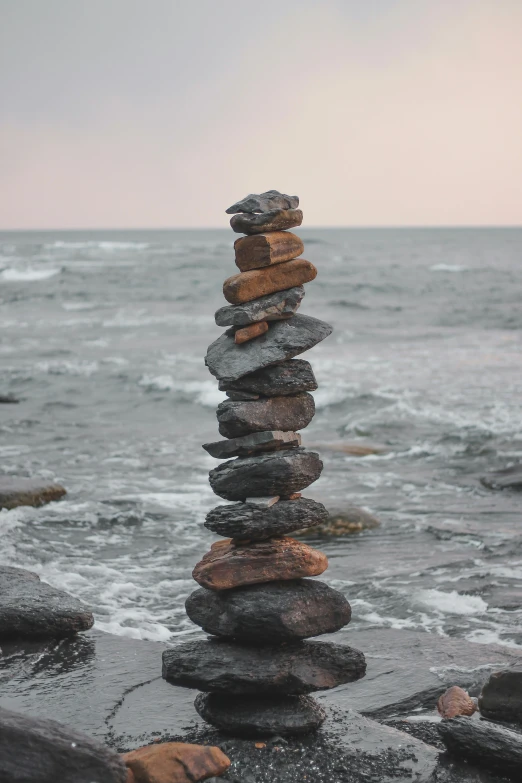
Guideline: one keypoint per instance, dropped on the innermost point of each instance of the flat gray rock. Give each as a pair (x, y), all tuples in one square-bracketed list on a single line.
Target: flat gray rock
[(16, 492), (278, 380), (484, 743), (264, 202), (501, 697), (256, 443), (248, 521), (221, 666), (274, 220), (272, 612), (273, 307), (44, 751), (509, 478), (277, 473), (31, 609), (284, 340), (289, 414), (283, 716)]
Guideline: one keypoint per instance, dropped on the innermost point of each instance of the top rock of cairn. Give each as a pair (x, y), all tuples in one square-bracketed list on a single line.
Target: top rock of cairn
[(264, 202)]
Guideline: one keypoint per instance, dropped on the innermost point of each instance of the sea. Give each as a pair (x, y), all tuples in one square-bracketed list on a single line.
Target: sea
[(102, 339)]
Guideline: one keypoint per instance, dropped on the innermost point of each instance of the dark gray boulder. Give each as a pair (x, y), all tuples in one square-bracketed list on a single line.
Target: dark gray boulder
[(278, 380), (272, 612), (256, 443), (275, 473), (273, 307), (31, 609), (260, 716), (483, 743), (44, 751), (501, 697), (284, 340), (228, 667), (509, 478), (274, 220), (249, 521), (289, 414), (16, 492), (264, 202)]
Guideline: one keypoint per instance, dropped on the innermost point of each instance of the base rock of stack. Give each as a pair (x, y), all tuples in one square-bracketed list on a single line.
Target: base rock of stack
[(274, 307), (266, 475), (249, 521), (261, 250), (232, 564), (274, 220), (226, 667), (289, 413), (284, 340), (278, 380), (256, 443), (260, 716), (270, 613)]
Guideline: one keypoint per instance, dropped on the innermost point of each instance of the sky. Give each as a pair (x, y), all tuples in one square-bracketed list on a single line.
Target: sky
[(161, 113)]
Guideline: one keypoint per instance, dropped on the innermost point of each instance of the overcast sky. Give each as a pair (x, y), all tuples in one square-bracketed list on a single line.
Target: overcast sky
[(161, 113)]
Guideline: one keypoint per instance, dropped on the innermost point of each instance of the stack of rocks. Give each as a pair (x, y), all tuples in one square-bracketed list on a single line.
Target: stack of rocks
[(256, 601)]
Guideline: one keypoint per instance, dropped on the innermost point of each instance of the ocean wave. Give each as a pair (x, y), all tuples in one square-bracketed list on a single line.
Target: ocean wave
[(452, 602), (448, 268), (60, 367), (99, 245), (203, 393), (27, 275)]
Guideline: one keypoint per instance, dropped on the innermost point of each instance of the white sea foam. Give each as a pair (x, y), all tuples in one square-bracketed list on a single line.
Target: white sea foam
[(451, 602), (448, 268), (98, 245), (73, 306), (203, 393), (78, 367), (27, 275)]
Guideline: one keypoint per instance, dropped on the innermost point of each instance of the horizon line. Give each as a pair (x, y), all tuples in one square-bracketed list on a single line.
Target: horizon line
[(352, 227)]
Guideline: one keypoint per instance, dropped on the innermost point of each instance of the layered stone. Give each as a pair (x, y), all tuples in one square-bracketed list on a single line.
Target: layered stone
[(260, 250), (260, 282), (231, 563), (273, 220), (291, 413), (483, 743), (220, 666), (288, 377), (278, 473), (256, 443), (262, 715), (501, 697), (270, 613), (250, 332), (274, 307), (285, 339), (253, 522), (242, 396), (264, 202)]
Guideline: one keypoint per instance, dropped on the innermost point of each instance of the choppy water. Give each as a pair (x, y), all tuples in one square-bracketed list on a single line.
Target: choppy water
[(102, 335)]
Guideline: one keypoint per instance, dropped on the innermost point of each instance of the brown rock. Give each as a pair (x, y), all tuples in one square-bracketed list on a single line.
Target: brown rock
[(455, 701), (289, 414), (259, 282), (274, 220), (249, 332), (16, 492), (175, 762), (260, 250), (231, 564), (130, 776)]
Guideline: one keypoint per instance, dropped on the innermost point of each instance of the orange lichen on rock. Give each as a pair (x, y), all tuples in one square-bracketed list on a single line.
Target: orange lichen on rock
[(249, 332)]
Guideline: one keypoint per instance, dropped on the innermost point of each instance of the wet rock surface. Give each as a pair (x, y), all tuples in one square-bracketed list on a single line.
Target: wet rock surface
[(274, 307), (455, 701), (501, 697), (41, 751), (274, 612), (257, 442), (232, 564), (274, 473), (285, 339), (31, 609), (485, 743), (264, 202), (16, 492), (287, 377), (289, 413), (247, 286), (274, 220), (260, 250), (247, 520), (509, 478), (175, 762)]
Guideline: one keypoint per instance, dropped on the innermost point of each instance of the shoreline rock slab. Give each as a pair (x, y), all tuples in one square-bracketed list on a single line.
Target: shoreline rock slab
[(16, 492), (40, 751), (255, 443), (485, 743), (285, 339), (221, 666), (175, 762), (260, 250), (31, 609), (247, 286), (273, 220), (273, 307), (289, 414), (231, 564), (249, 521), (263, 716), (501, 697), (266, 475), (271, 612), (277, 380), (264, 202)]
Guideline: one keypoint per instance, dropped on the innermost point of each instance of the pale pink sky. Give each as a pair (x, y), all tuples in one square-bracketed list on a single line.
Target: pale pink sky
[(126, 113)]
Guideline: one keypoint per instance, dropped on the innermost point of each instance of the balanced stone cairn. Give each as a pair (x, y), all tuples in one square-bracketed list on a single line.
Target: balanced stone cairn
[(256, 670)]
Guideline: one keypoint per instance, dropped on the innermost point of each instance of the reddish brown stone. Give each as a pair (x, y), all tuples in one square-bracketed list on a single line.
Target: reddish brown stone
[(260, 282), (231, 564), (455, 701), (175, 762), (249, 332), (260, 250), (130, 776)]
